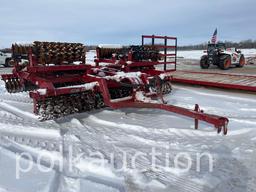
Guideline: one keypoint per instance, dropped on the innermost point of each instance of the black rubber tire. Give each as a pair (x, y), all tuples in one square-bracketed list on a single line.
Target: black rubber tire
[(225, 62), (241, 61), (204, 62), (7, 63)]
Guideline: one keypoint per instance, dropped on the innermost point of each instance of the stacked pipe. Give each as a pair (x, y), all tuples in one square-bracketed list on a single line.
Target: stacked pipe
[(58, 53)]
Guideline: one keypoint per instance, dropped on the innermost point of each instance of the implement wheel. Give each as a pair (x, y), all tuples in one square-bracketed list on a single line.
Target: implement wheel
[(166, 87)]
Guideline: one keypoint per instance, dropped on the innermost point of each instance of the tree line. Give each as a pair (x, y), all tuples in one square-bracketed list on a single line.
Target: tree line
[(245, 44)]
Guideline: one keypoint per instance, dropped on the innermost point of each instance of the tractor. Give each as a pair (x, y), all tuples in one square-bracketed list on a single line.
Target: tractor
[(224, 58)]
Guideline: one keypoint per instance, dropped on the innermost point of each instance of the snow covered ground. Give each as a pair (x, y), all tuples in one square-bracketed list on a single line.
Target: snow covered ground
[(113, 133)]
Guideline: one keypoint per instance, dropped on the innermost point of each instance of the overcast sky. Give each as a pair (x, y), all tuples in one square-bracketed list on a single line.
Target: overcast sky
[(124, 21)]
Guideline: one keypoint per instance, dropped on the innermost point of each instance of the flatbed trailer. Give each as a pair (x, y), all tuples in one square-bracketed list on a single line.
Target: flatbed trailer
[(213, 79)]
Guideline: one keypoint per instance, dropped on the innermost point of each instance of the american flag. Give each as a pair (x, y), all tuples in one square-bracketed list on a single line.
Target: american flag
[(214, 37)]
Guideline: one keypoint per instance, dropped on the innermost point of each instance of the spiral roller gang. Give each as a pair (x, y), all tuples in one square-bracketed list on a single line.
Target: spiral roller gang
[(139, 53), (52, 52), (62, 105), (58, 53), (145, 53)]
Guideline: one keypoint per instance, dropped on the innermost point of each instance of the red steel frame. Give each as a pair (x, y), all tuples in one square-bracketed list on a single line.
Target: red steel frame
[(130, 64), (166, 40), (219, 122)]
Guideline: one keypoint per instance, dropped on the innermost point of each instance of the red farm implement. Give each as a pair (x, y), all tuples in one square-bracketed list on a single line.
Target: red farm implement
[(151, 54), (61, 83)]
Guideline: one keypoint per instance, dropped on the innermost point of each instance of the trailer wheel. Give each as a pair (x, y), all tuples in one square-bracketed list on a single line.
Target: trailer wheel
[(225, 62), (204, 62), (241, 61), (166, 87)]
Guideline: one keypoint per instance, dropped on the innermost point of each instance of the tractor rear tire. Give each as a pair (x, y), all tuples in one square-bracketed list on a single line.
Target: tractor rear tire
[(241, 61), (204, 62), (225, 62)]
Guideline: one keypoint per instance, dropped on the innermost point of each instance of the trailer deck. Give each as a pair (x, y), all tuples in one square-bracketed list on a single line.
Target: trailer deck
[(213, 79)]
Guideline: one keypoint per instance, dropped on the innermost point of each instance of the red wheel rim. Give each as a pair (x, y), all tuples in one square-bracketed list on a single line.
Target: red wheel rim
[(242, 61), (227, 63)]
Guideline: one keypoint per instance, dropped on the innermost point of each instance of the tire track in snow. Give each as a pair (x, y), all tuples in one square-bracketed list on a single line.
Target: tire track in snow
[(130, 151), (117, 134), (17, 98), (97, 179), (18, 112), (11, 115)]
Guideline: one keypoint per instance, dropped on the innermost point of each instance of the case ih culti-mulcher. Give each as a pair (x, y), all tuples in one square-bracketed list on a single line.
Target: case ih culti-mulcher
[(61, 83)]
